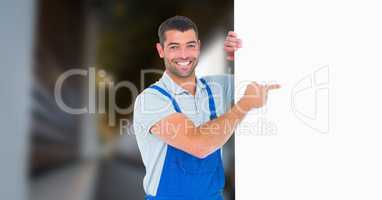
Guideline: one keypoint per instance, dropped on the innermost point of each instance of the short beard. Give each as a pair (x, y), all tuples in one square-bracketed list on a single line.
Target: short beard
[(174, 71)]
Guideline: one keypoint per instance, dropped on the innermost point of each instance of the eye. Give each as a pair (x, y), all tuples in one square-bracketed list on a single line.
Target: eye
[(191, 46), (173, 47)]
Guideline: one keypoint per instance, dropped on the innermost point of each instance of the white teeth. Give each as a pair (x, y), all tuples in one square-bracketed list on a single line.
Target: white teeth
[(184, 63)]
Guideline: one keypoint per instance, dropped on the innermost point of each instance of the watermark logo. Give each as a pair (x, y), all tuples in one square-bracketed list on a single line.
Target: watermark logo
[(310, 100), (95, 88)]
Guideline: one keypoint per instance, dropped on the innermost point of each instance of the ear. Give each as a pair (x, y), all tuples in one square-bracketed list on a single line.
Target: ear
[(200, 44), (160, 50)]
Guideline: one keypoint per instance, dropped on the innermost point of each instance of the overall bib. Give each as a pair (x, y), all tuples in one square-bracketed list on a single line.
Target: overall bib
[(186, 177)]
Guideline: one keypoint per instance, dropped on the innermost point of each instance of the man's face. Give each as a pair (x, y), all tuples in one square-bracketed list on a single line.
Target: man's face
[(180, 52)]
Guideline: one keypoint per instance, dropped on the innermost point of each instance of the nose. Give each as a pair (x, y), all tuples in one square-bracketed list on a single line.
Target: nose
[(183, 53)]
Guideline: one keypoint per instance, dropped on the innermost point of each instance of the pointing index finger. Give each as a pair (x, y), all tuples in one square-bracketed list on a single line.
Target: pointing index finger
[(273, 86)]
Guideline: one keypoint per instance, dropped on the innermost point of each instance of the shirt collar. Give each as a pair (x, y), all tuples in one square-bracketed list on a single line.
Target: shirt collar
[(177, 89)]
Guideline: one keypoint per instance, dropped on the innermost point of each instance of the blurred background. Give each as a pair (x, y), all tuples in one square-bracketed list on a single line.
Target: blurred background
[(47, 153)]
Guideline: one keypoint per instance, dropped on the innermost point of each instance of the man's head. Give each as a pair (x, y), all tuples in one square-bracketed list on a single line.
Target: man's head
[(179, 45)]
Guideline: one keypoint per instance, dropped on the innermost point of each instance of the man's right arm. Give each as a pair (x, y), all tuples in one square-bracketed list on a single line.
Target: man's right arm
[(179, 131)]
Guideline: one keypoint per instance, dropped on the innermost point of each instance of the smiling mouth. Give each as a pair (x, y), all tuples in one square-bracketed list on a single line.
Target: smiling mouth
[(183, 63)]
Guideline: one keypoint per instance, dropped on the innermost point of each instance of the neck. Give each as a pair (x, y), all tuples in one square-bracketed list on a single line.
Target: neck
[(187, 83)]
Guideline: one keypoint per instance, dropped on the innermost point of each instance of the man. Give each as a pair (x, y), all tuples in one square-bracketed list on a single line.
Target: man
[(181, 122)]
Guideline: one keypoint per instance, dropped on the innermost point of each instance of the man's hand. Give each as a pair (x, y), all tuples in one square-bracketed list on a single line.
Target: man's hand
[(255, 95), (231, 44)]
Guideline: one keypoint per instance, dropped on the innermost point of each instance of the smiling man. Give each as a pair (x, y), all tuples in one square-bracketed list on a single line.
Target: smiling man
[(182, 121)]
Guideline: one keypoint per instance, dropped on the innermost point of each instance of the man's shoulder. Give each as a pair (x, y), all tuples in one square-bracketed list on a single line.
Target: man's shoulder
[(152, 100), (218, 78), (149, 94)]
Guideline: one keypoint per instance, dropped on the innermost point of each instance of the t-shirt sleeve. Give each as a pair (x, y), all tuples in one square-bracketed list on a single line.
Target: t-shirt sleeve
[(149, 108)]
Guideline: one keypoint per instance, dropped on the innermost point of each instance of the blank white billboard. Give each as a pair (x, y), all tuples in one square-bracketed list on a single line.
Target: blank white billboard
[(320, 135)]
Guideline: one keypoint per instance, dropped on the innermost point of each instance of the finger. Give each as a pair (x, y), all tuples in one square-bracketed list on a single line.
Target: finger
[(232, 39), (229, 49), (230, 44), (236, 41), (231, 33), (240, 43), (273, 86)]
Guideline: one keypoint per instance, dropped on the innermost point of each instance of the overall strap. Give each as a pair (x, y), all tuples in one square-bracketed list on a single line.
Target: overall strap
[(211, 102), (165, 93)]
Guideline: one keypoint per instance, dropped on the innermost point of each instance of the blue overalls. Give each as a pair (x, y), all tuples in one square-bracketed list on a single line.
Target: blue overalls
[(186, 177)]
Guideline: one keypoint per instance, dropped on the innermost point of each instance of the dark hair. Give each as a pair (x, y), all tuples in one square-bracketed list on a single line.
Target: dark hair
[(180, 23)]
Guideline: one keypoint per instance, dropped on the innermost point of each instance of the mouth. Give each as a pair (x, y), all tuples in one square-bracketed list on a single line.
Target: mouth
[(183, 63)]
